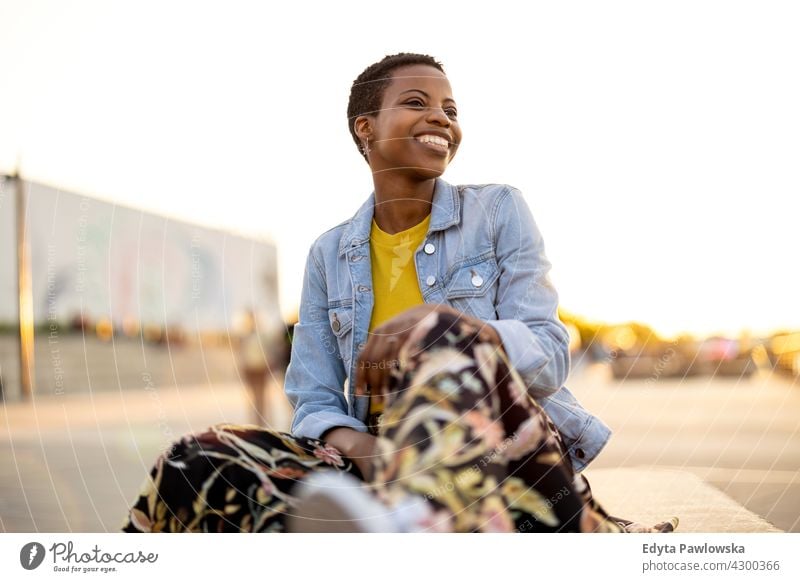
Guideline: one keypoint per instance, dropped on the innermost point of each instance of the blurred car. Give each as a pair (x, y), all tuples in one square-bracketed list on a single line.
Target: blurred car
[(784, 352)]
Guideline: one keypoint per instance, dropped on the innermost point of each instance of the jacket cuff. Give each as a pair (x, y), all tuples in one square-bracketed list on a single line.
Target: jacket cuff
[(316, 423), (583, 451), (538, 369)]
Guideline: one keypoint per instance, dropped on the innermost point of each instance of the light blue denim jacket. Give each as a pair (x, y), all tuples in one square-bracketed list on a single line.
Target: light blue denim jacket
[(483, 255)]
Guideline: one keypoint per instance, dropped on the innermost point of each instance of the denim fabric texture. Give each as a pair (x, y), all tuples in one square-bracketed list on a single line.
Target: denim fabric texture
[(483, 255)]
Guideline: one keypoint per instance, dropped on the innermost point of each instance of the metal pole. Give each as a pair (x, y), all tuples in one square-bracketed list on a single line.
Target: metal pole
[(5, 183), (26, 356)]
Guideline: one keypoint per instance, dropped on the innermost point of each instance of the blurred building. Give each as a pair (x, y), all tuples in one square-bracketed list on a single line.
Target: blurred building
[(110, 286)]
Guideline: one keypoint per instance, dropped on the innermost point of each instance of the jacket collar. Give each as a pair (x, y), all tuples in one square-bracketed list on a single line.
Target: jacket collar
[(445, 212)]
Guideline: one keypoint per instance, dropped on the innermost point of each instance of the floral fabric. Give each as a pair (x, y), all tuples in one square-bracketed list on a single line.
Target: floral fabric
[(459, 430)]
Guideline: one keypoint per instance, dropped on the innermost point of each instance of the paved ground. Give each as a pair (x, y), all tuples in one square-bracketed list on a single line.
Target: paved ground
[(75, 462), (650, 496), (740, 435)]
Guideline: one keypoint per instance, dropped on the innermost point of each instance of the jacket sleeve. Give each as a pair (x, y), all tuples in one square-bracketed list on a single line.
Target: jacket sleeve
[(536, 341), (315, 377)]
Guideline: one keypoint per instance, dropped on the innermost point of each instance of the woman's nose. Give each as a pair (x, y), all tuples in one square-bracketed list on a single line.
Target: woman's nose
[(438, 115)]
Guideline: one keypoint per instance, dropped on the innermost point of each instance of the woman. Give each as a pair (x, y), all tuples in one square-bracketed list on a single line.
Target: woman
[(428, 360)]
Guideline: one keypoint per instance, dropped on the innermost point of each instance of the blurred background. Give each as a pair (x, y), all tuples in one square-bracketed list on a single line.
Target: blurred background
[(166, 167)]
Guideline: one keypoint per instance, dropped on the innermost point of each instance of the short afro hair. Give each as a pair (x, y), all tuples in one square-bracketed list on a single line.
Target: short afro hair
[(367, 91)]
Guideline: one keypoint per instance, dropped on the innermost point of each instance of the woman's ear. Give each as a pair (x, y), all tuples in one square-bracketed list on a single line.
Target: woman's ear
[(363, 128)]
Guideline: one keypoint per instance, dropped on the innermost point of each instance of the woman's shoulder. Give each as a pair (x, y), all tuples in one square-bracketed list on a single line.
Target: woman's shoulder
[(334, 233), (356, 226), (488, 196), (487, 191), (492, 208), (487, 187), (329, 246), (329, 240)]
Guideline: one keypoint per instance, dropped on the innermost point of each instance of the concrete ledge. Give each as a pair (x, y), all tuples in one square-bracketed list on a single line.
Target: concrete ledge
[(653, 495)]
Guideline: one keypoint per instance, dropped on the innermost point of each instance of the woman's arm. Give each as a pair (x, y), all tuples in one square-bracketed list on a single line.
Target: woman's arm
[(536, 341), (315, 377)]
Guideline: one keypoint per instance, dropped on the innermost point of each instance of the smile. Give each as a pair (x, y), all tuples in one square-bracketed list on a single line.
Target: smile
[(434, 142)]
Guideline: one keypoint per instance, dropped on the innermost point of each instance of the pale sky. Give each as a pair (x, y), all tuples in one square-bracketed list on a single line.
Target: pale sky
[(656, 143)]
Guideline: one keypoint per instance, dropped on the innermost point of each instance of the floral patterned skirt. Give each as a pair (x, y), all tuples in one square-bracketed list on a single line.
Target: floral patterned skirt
[(459, 430)]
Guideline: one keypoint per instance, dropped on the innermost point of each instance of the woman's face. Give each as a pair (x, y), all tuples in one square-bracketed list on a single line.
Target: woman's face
[(417, 128)]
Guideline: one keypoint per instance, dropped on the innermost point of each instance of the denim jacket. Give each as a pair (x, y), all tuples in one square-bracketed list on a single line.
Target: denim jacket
[(483, 255)]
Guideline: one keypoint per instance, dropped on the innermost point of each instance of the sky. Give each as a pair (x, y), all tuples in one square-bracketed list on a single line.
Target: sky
[(657, 144)]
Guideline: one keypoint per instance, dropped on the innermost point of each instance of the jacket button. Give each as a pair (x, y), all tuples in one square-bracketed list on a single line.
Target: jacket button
[(431, 280), (580, 453), (477, 280), (429, 249), (363, 288), (335, 325)]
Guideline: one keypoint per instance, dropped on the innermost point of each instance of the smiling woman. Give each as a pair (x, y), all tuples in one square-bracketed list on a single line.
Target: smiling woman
[(414, 127), (428, 364)]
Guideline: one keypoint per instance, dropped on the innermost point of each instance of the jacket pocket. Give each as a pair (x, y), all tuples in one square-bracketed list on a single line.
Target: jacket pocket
[(340, 319), (471, 287)]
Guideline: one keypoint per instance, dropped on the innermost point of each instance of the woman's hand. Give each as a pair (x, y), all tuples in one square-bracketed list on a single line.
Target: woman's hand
[(357, 446), (380, 355)]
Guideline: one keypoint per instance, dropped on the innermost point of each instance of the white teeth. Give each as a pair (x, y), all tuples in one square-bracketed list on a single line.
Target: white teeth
[(434, 139)]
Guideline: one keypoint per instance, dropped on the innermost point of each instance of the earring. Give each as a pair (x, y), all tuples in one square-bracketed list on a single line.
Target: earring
[(365, 148)]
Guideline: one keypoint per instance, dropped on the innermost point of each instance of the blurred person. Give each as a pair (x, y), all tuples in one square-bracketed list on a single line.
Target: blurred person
[(427, 366), (261, 360)]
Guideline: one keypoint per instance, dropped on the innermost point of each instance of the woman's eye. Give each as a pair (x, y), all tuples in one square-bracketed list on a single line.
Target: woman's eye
[(451, 112)]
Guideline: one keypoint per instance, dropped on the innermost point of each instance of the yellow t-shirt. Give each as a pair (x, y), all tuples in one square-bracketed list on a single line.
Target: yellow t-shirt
[(394, 274)]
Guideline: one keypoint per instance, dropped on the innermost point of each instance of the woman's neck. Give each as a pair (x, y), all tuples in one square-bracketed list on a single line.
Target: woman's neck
[(401, 204)]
